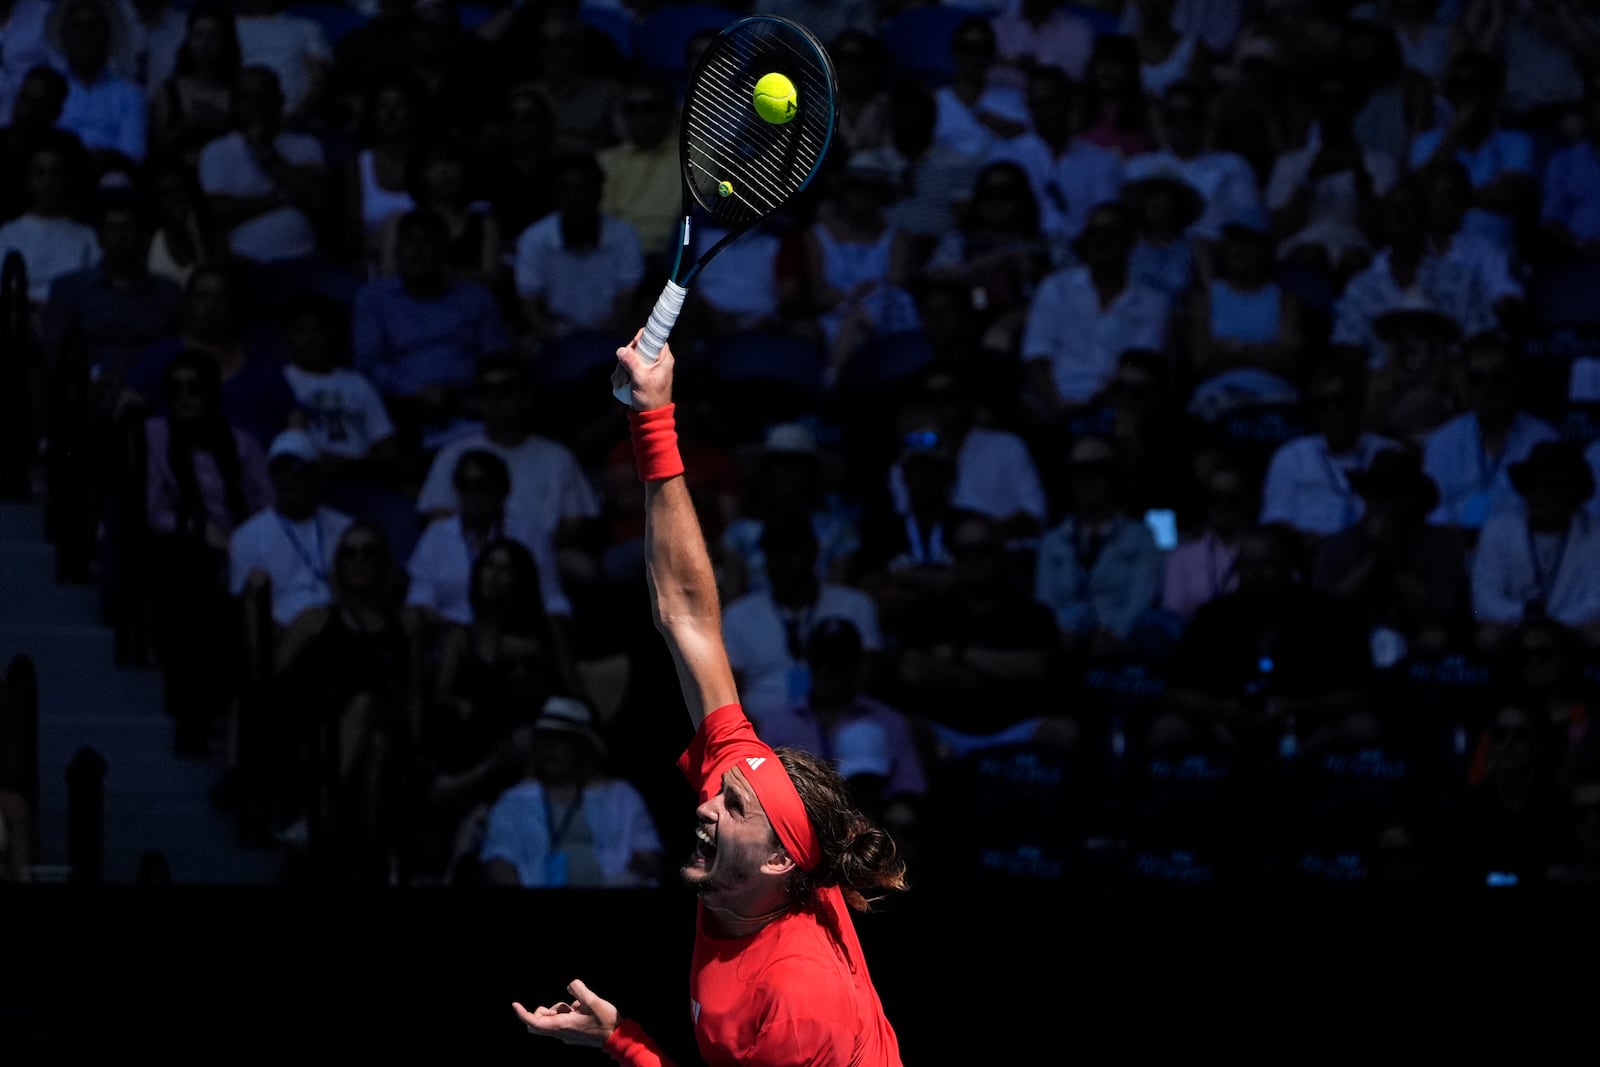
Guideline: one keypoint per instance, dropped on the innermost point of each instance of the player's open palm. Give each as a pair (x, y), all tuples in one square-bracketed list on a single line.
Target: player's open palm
[(585, 1020)]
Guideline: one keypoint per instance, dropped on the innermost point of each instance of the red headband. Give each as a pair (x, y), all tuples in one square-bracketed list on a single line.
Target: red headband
[(785, 811), (726, 739)]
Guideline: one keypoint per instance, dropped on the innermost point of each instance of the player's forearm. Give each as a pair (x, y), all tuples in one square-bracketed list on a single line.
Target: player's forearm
[(683, 584)]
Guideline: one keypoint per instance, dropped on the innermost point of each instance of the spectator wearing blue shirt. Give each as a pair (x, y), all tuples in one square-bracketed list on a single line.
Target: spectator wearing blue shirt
[(1499, 161), (418, 335), (105, 110), (1571, 205)]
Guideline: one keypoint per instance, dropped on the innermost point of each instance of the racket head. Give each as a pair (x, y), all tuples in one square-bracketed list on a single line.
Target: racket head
[(724, 140)]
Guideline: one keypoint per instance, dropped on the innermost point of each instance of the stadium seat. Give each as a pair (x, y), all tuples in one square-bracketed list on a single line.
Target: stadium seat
[(1564, 295), (889, 358), (918, 41), (661, 40), (1345, 797), (1191, 816)]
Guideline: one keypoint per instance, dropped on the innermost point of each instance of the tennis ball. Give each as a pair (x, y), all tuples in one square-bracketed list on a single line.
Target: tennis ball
[(775, 98), (724, 188)]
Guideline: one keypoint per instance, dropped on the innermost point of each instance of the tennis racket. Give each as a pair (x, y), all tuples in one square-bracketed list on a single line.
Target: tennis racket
[(738, 168)]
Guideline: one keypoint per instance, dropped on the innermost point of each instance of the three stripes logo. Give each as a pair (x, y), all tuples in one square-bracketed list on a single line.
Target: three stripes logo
[(755, 762)]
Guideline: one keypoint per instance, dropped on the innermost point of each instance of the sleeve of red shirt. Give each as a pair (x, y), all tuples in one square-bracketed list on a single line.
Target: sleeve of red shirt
[(630, 1046)]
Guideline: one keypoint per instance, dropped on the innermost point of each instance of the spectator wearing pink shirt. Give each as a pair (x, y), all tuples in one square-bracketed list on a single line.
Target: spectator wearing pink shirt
[(1201, 566)]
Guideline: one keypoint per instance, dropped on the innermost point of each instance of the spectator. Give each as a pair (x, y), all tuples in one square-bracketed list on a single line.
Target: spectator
[(204, 477), (546, 480), (115, 309), (1272, 660), (1225, 181), (767, 628), (1449, 194), (1412, 393), (824, 724), (1571, 204), (1426, 40), (932, 178), (337, 406), (1069, 174), (1244, 324), (29, 45), (904, 560), (256, 396), (568, 823), (376, 50), (1082, 318), (193, 106), (295, 49), (1512, 809), (1035, 35), (1545, 665), (1545, 560), (577, 268), (1114, 111), (420, 335), (443, 183), (1307, 485), (516, 172), (580, 99), (1400, 102), (1403, 579), (184, 235), (1142, 413), (106, 110), (32, 126), (826, 18), (377, 181), (1471, 456), (792, 478), (643, 181), (1099, 570), (1165, 257), (265, 184), (441, 564), (51, 242), (1256, 112), (860, 65), (285, 551), (1499, 161), (1578, 847), (155, 31), (456, 67), (348, 682), (1326, 195), (978, 110), (1166, 56), (1202, 567)]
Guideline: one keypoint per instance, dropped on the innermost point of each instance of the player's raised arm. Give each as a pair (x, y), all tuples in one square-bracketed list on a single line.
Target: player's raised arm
[(683, 586)]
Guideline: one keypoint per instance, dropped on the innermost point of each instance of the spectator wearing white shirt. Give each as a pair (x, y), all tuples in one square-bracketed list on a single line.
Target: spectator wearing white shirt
[(286, 550), (1167, 55), (339, 406), (1033, 35), (1499, 161), (1307, 484), (51, 242), (1470, 457), (264, 183), (1069, 174), (441, 564), (1545, 560), (294, 47), (1571, 205), (106, 110), (978, 111), (577, 268), (1225, 179), (1082, 318)]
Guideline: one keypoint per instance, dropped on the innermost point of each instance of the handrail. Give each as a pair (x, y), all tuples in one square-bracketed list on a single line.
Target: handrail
[(16, 357)]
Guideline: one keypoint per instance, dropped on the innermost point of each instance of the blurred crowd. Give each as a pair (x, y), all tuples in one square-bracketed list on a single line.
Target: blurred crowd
[(1163, 440)]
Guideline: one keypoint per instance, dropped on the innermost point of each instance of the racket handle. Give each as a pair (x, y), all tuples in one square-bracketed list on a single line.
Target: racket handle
[(656, 330)]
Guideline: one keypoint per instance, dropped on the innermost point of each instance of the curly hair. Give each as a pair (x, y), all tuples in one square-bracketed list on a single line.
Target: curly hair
[(858, 856)]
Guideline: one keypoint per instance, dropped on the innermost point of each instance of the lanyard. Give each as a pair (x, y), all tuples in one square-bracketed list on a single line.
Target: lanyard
[(494, 534), (1219, 575), (1546, 580), (931, 551), (312, 558), (558, 834), (796, 628), (1341, 483), (1487, 474)]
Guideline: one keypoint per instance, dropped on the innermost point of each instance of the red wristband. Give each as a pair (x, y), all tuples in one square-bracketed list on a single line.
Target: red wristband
[(655, 443), (631, 1046)]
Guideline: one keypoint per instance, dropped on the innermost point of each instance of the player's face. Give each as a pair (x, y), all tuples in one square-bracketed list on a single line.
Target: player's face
[(732, 840)]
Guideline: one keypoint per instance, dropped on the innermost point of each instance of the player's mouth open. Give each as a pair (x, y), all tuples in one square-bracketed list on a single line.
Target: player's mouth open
[(704, 846)]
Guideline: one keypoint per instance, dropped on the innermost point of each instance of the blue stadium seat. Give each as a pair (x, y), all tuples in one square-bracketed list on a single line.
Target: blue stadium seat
[(1345, 797), (614, 22), (1012, 813), (1565, 295), (335, 19), (662, 38), (918, 41), (891, 357), (1192, 816), (767, 357), (566, 359)]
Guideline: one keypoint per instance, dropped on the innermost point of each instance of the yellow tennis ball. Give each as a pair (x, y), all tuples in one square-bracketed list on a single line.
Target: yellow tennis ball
[(775, 98), (724, 188)]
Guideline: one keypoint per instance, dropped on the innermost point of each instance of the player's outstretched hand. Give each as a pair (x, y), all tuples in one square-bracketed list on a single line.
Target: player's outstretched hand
[(650, 383), (585, 1020)]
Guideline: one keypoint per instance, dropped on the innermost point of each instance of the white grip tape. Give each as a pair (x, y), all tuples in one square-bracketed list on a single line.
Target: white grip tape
[(656, 330)]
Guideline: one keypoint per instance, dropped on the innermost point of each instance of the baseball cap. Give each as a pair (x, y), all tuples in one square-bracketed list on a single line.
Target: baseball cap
[(296, 443)]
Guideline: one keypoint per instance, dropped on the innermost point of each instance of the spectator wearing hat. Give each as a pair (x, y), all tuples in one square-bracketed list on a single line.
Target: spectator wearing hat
[(1545, 560), (1411, 393), (1069, 174), (569, 823), (1404, 579), (1224, 179), (1243, 322), (1307, 484), (1082, 318), (767, 628), (1326, 196), (791, 477), (1098, 570), (286, 550), (1470, 456), (1164, 258), (863, 736)]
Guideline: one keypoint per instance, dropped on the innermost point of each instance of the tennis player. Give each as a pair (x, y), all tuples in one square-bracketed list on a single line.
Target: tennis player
[(782, 855)]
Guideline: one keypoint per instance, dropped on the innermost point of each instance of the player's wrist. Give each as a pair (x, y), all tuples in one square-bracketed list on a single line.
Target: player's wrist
[(655, 443)]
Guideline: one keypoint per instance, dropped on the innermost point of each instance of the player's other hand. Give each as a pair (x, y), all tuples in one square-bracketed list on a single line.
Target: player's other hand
[(650, 384), (584, 1020)]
